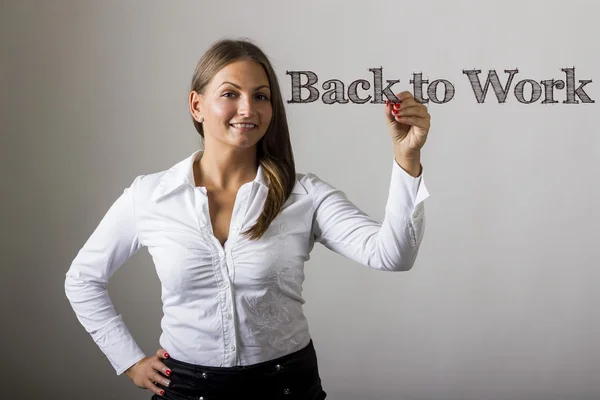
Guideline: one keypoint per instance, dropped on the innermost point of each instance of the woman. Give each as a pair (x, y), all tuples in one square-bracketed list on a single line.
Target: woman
[(229, 229)]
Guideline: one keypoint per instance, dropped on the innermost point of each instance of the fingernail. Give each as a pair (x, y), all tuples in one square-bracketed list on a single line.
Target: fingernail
[(162, 392), (166, 354), (167, 383), (396, 105), (168, 372), (395, 111)]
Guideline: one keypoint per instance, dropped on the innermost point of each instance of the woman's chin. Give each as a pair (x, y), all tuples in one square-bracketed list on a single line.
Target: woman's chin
[(245, 140)]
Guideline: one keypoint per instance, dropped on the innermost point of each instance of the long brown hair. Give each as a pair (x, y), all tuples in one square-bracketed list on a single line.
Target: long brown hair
[(274, 149)]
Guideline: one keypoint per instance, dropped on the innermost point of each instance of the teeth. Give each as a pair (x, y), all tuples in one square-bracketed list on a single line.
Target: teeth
[(243, 125)]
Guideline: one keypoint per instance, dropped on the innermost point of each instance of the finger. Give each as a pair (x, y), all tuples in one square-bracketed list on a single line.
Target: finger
[(160, 367), (153, 388), (408, 97), (408, 103), (398, 97), (403, 96), (414, 121), (162, 353), (159, 380), (418, 112), (405, 100)]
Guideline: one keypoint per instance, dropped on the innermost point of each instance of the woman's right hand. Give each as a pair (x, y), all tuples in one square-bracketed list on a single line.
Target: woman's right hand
[(147, 372)]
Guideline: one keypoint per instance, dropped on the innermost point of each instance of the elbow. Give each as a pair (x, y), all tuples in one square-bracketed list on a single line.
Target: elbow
[(405, 259), (403, 254), (70, 287), (79, 288), (403, 262), (402, 266)]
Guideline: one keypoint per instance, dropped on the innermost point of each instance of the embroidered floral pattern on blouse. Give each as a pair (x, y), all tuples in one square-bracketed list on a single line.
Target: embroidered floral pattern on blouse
[(271, 313)]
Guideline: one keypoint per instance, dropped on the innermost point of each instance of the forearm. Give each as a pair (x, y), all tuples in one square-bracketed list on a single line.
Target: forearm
[(95, 311)]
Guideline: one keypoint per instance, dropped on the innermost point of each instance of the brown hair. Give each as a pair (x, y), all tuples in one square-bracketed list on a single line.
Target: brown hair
[(274, 149)]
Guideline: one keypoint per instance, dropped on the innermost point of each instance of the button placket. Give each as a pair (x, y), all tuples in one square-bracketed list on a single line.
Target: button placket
[(230, 330), (225, 300), (231, 338), (239, 204)]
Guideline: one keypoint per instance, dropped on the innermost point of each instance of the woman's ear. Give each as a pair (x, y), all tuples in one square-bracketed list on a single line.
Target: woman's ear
[(195, 103)]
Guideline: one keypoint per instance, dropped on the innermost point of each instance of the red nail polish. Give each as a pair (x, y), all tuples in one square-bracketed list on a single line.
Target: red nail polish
[(168, 372), (396, 105), (166, 355), (395, 111), (162, 392)]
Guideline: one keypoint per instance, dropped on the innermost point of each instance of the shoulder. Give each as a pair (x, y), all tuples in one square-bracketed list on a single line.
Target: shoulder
[(145, 186), (313, 184)]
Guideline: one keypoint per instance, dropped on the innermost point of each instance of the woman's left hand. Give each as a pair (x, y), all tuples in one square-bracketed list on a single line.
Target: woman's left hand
[(409, 123)]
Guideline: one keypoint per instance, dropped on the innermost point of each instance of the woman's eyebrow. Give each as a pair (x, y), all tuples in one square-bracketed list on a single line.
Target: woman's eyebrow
[(239, 87)]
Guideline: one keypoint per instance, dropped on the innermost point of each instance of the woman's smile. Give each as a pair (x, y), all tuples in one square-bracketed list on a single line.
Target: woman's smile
[(243, 127)]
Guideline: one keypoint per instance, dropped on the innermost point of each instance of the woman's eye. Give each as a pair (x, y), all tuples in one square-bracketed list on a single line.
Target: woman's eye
[(259, 96)]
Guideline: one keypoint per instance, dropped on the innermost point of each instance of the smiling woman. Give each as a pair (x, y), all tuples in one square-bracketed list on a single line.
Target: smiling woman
[(229, 229), (228, 108), (234, 83)]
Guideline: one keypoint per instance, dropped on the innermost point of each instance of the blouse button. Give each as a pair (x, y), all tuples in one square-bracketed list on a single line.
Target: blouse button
[(287, 391)]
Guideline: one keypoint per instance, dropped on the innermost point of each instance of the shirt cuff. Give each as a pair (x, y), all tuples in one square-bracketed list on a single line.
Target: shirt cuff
[(120, 348), (405, 190)]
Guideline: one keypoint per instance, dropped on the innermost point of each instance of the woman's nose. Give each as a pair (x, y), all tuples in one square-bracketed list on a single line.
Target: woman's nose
[(245, 106)]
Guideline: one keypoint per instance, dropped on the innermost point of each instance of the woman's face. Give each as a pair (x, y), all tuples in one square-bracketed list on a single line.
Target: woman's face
[(236, 105)]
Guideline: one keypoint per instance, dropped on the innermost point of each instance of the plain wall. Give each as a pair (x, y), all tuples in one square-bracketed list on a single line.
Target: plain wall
[(502, 301)]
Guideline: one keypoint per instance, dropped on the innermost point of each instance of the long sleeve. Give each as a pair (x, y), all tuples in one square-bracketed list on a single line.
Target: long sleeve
[(110, 245), (390, 245)]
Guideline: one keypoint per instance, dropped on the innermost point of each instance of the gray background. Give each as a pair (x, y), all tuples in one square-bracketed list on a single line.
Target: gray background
[(501, 303)]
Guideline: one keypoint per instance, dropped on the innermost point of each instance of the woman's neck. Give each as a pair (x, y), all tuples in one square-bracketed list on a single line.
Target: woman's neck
[(225, 170)]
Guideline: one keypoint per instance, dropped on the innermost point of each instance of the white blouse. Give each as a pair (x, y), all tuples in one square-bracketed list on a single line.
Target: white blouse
[(241, 303)]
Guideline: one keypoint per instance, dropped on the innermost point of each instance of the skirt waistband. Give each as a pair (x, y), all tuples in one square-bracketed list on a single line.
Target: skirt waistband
[(293, 376), (305, 357)]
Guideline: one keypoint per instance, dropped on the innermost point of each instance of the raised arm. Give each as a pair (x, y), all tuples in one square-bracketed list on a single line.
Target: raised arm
[(392, 244)]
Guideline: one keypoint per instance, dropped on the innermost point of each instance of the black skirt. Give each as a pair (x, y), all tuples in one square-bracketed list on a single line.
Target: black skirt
[(295, 376)]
